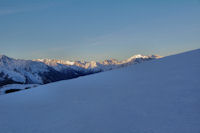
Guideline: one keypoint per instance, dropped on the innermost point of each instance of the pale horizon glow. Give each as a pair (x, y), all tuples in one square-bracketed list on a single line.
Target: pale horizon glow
[(97, 30)]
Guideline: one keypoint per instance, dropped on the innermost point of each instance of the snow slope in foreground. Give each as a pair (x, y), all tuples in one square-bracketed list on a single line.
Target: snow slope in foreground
[(160, 96)]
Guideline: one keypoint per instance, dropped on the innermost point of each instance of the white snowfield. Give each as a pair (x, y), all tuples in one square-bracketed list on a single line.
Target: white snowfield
[(159, 96)]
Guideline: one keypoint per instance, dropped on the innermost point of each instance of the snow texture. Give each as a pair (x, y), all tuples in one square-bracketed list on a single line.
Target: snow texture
[(159, 96)]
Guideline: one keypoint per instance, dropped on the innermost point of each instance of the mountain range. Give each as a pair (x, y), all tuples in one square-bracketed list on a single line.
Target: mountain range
[(158, 96), (42, 71)]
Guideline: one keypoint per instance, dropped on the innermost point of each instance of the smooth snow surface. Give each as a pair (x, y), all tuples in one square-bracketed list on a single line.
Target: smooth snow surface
[(159, 96)]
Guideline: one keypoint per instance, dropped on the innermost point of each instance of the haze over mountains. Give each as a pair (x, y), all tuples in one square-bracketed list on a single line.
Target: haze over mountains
[(42, 71)]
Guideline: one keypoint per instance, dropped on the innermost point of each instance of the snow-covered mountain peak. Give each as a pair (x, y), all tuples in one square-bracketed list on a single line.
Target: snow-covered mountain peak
[(137, 56), (94, 64), (22, 71), (110, 61), (54, 62), (4, 57), (41, 71), (141, 57)]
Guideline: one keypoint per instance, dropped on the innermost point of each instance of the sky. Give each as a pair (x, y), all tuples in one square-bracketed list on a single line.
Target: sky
[(97, 29)]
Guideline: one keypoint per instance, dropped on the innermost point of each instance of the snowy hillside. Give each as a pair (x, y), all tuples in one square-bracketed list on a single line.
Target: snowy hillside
[(159, 96), (43, 71)]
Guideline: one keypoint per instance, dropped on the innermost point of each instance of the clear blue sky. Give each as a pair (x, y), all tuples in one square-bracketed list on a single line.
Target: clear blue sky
[(97, 29)]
